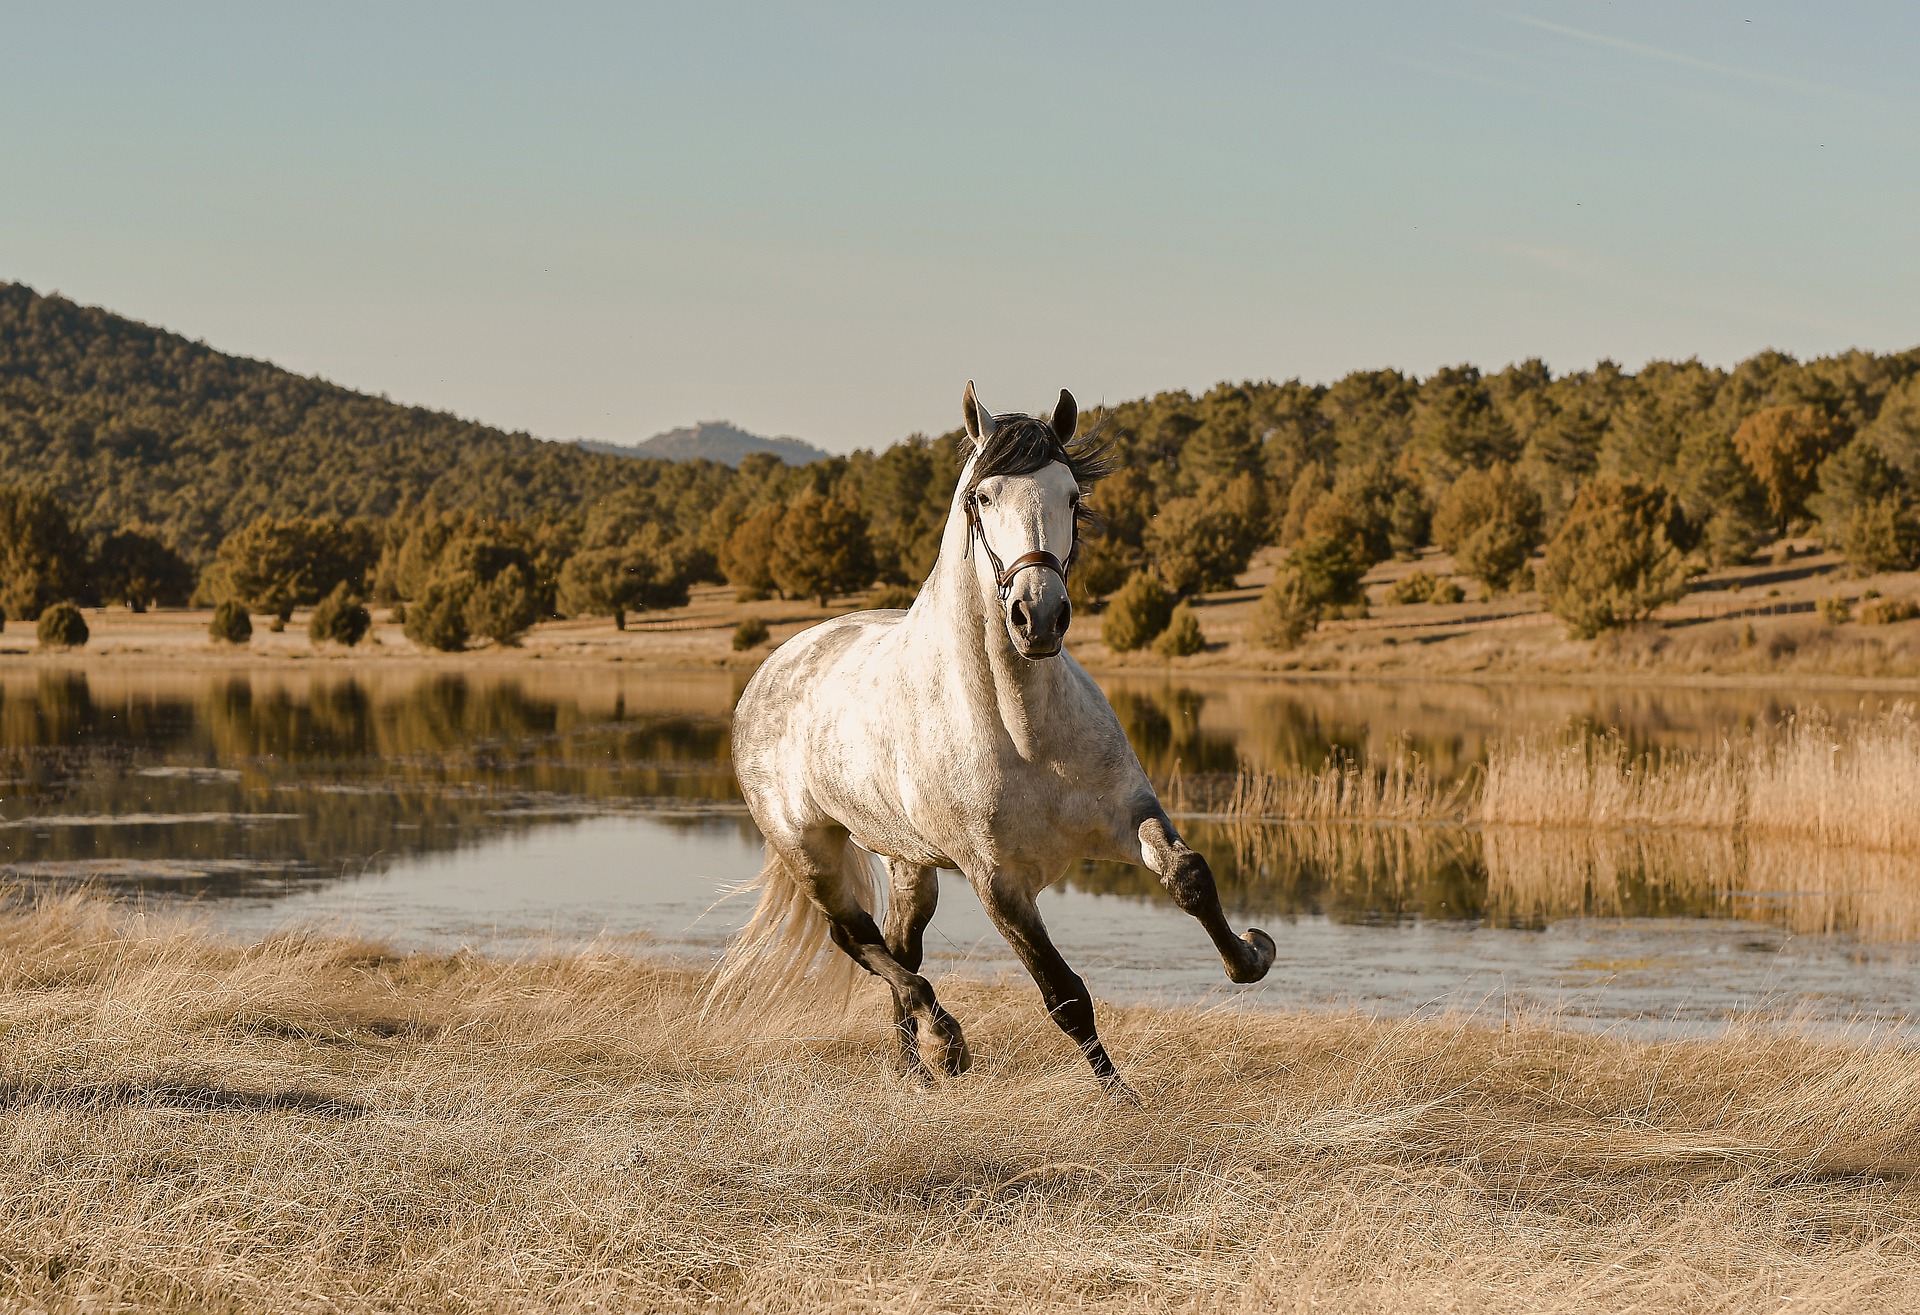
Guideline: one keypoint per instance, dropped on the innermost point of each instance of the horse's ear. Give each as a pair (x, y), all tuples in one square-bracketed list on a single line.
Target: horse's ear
[(979, 419), (1066, 416)]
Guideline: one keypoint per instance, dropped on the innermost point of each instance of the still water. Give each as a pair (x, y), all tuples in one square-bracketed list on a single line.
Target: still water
[(554, 806)]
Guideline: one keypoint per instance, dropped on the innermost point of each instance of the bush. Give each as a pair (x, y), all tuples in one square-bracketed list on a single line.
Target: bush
[(892, 597), (1835, 610), (750, 633), (339, 619), (1183, 636), (1612, 563), (1288, 610), (230, 624), (1489, 520), (62, 626), (438, 618), (1415, 588), (1887, 611), (503, 608), (1447, 591), (1137, 614)]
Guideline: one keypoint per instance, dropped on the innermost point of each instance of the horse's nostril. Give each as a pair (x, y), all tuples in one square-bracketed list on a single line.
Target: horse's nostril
[(1021, 615)]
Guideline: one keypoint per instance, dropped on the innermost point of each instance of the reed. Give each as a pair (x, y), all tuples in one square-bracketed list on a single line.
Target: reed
[(316, 1124), (1804, 777)]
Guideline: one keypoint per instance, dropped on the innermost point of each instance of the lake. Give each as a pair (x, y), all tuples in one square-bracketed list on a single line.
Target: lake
[(552, 806)]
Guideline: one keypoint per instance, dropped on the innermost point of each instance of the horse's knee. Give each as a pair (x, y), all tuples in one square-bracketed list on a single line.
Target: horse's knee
[(1190, 881)]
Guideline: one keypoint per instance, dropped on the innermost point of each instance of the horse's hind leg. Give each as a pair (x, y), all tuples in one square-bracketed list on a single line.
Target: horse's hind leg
[(912, 893), (855, 932), (1014, 912)]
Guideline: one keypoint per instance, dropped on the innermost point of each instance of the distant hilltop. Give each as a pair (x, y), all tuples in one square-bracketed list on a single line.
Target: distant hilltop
[(711, 440)]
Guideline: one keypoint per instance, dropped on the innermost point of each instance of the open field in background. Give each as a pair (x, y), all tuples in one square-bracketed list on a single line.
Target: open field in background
[(317, 1124), (1750, 623)]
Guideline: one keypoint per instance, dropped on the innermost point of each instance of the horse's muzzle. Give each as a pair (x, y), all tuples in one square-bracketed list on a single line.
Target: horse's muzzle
[(1038, 624)]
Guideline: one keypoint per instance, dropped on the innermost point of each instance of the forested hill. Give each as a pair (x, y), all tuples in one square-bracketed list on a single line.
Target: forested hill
[(130, 424)]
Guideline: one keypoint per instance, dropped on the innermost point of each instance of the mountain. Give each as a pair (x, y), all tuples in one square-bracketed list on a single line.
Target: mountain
[(711, 440), (130, 424)]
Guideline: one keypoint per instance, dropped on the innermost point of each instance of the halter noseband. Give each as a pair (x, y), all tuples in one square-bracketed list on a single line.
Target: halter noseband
[(1003, 577)]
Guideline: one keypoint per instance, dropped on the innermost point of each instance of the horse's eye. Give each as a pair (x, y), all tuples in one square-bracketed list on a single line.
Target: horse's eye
[(982, 499)]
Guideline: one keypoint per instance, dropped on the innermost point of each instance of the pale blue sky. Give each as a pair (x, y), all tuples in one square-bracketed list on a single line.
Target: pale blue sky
[(821, 220)]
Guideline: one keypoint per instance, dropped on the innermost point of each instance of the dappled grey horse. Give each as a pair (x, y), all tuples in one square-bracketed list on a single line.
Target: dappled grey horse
[(956, 734)]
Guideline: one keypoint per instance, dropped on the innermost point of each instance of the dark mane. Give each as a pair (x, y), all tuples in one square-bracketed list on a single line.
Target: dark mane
[(1022, 444)]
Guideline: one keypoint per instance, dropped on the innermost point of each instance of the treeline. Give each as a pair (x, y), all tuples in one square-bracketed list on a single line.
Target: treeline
[(1603, 488)]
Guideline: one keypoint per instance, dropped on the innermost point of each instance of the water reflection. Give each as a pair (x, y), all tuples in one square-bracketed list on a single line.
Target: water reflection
[(251, 784)]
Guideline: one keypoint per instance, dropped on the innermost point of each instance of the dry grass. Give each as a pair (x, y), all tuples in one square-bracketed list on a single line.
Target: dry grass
[(1803, 778), (313, 1124)]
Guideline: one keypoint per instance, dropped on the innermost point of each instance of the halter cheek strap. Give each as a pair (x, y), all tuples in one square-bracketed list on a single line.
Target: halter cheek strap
[(1003, 576)]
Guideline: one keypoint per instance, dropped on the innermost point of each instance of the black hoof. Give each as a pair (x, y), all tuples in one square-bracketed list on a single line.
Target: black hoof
[(955, 1058), (1252, 965)]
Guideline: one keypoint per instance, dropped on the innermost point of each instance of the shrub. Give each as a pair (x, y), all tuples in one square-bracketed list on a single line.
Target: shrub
[(230, 624), (338, 619), (1447, 591), (1183, 636), (62, 626), (1137, 614), (892, 597), (1835, 610), (1489, 520), (1887, 611), (1415, 588), (438, 618), (1612, 562), (1288, 610), (502, 609), (750, 633)]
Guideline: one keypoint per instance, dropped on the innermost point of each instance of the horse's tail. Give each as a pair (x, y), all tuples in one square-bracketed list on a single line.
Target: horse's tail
[(771, 959)]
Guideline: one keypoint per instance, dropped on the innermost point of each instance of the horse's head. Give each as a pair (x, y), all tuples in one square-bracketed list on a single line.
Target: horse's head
[(1024, 500)]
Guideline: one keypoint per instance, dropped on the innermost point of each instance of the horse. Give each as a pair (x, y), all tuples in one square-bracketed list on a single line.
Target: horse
[(956, 734)]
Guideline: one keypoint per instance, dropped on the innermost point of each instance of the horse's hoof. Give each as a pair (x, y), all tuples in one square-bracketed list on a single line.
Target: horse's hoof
[(956, 1059), (1120, 1093), (1253, 965)]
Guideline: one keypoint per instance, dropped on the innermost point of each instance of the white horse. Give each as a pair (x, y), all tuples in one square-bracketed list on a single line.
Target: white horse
[(956, 734)]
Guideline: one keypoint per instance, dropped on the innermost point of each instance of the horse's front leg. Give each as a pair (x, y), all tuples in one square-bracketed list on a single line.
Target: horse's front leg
[(1011, 906), (1189, 880)]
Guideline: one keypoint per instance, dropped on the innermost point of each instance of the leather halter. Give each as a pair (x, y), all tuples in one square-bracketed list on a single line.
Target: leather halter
[(1003, 576)]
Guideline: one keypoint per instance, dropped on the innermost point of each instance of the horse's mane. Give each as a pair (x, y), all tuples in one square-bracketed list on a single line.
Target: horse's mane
[(1022, 444)]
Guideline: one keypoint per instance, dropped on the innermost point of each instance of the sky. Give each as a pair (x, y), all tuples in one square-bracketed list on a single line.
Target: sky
[(821, 220)]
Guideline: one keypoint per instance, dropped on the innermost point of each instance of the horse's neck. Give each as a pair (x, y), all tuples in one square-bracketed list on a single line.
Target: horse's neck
[(963, 634)]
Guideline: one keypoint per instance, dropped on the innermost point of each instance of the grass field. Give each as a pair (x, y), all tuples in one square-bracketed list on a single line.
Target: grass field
[(310, 1124)]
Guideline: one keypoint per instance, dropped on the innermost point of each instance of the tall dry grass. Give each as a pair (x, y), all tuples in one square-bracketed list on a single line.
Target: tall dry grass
[(1805, 777), (315, 1124)]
